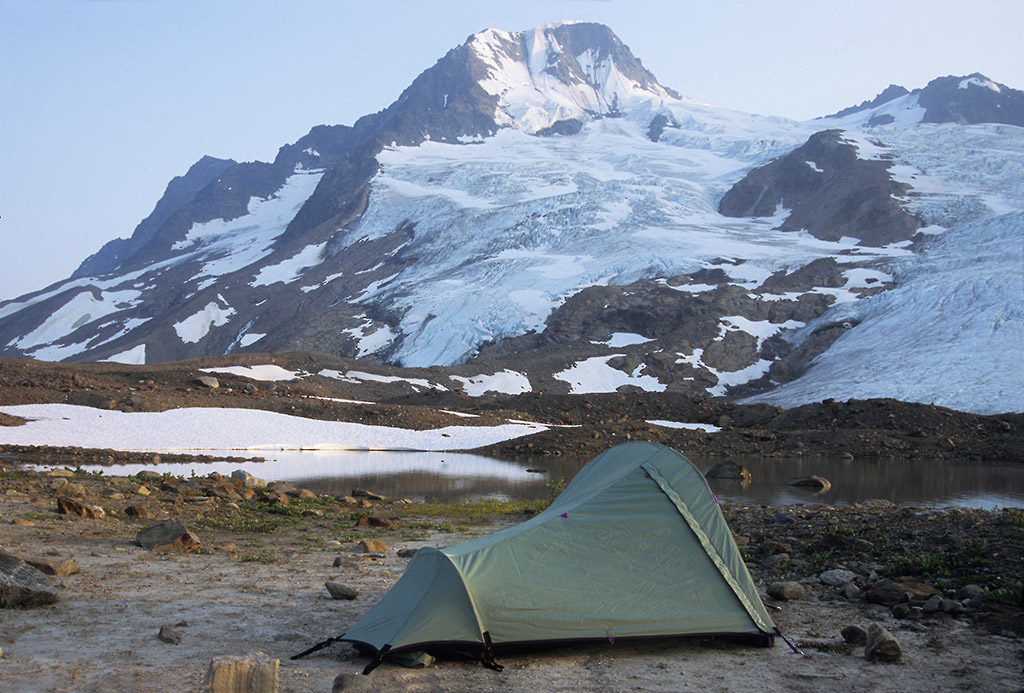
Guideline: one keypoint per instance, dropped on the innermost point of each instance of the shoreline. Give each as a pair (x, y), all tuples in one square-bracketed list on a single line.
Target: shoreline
[(256, 583)]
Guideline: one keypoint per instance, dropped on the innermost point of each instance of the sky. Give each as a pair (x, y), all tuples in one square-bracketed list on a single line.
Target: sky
[(103, 102)]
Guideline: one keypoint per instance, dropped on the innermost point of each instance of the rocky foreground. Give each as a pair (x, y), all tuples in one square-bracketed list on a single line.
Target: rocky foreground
[(148, 579), (111, 582)]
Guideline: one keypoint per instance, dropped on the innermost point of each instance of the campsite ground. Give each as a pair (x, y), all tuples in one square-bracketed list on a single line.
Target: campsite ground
[(257, 581), (257, 585)]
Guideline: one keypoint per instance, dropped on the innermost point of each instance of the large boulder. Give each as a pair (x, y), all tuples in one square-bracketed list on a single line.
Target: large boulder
[(23, 585), (882, 645), (167, 536)]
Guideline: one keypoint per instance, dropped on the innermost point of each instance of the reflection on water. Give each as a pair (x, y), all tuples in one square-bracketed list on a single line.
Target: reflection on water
[(456, 476)]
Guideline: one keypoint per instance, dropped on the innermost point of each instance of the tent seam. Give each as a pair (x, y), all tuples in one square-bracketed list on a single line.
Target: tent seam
[(705, 543)]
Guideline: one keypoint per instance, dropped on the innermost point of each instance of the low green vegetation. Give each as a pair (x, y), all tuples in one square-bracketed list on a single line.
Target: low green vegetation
[(1012, 594), (960, 567)]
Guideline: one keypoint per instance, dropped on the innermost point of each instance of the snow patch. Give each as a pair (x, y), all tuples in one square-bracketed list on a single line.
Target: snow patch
[(357, 376), (196, 326), (507, 382), (135, 356), (623, 339), (289, 270), (208, 428), (266, 372), (707, 428), (595, 375)]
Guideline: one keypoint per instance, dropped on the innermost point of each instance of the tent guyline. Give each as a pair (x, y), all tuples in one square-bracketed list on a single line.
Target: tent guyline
[(638, 521)]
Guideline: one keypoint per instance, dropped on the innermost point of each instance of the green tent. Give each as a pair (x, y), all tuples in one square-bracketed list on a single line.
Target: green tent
[(636, 546)]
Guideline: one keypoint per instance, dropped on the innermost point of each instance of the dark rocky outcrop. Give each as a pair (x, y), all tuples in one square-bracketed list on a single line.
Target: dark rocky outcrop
[(180, 191), (830, 192), (971, 99)]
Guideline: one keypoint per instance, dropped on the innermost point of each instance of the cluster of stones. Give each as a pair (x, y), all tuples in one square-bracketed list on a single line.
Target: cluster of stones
[(906, 596)]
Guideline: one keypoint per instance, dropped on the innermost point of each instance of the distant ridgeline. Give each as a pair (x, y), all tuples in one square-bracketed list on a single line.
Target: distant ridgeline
[(536, 203)]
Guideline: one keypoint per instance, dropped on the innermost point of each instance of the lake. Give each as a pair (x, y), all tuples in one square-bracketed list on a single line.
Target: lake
[(433, 476)]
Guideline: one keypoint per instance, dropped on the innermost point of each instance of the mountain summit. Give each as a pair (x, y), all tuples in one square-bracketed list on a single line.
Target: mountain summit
[(536, 211), (963, 100)]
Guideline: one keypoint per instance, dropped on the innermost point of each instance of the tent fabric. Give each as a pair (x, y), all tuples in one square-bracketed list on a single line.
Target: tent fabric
[(636, 546)]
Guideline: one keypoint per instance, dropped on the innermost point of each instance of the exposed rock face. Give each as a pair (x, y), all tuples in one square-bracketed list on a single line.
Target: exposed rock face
[(965, 100), (830, 191), (971, 99), (180, 191)]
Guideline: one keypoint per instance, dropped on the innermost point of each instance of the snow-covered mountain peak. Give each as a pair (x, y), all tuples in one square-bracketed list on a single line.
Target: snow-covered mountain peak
[(562, 72), (967, 100)]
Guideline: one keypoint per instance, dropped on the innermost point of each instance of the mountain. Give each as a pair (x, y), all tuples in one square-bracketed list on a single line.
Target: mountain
[(537, 212), (963, 100)]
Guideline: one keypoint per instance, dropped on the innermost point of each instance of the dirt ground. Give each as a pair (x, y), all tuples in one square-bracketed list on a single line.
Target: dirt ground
[(257, 585)]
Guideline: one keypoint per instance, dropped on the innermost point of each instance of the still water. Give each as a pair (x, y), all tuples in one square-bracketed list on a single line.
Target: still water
[(459, 476)]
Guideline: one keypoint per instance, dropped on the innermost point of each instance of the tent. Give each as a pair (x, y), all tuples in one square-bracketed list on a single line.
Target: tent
[(636, 546)]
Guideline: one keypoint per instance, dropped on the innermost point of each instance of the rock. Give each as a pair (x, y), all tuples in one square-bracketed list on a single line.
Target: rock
[(55, 566), (971, 591), (139, 511), (22, 585), (786, 591), (906, 611), (855, 635), (281, 487), (68, 506), (149, 474), (278, 498), (932, 604), (886, 592), (741, 540), (248, 480), (351, 682), (363, 493), (371, 546), (303, 493), (143, 490), (782, 518), (728, 470), (373, 521), (406, 553), (256, 673), (167, 536), (73, 490), (168, 634), (951, 606), (837, 577), (778, 560), (917, 591), (850, 591), (340, 591), (207, 381), (62, 473), (881, 645), (812, 482)]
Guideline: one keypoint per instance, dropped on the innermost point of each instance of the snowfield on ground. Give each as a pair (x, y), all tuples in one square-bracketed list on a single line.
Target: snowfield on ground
[(204, 428)]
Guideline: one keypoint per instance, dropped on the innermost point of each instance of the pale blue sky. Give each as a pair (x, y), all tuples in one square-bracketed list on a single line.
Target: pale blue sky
[(102, 102)]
